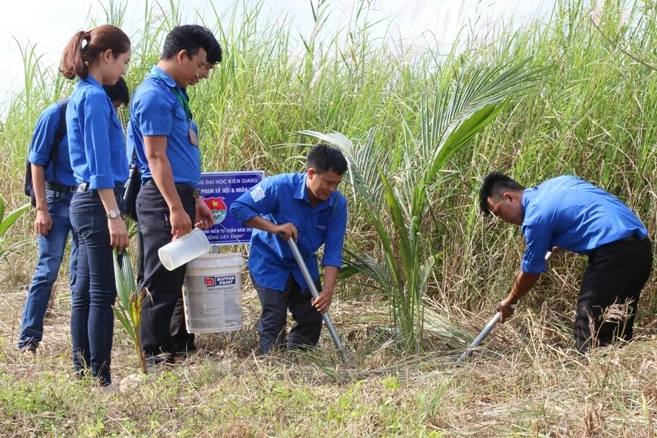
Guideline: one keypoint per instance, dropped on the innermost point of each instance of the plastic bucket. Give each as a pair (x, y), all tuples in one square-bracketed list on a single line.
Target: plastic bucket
[(213, 293)]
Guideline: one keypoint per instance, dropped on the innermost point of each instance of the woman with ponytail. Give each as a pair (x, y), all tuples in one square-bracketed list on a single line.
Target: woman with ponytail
[(97, 150)]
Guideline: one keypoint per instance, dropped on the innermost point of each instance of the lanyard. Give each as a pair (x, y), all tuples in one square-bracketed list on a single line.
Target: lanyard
[(180, 97)]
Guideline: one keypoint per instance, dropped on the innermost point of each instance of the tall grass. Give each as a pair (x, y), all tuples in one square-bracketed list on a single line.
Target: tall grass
[(593, 116)]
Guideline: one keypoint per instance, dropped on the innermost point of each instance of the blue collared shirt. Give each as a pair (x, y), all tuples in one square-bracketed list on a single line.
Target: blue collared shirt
[(155, 111), (282, 199), (95, 137), (41, 146), (575, 215)]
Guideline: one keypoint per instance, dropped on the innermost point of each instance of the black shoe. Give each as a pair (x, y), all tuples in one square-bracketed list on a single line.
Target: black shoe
[(186, 349), (153, 361)]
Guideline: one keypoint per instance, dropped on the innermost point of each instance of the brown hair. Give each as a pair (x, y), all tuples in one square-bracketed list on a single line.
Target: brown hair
[(77, 55)]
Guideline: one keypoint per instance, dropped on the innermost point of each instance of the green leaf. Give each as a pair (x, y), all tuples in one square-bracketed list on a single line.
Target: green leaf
[(11, 217)]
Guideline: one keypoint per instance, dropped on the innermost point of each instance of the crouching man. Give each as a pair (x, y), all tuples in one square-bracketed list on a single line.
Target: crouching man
[(308, 208)]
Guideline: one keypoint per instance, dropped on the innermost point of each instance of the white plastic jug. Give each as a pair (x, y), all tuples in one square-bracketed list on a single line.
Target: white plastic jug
[(185, 249)]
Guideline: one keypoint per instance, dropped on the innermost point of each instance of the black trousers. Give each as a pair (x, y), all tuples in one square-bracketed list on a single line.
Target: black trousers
[(273, 318), (164, 286), (615, 274)]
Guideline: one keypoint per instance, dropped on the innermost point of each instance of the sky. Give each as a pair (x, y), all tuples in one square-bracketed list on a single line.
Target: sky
[(49, 24)]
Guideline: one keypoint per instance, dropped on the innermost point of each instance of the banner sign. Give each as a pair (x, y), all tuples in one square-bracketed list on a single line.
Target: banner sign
[(219, 190)]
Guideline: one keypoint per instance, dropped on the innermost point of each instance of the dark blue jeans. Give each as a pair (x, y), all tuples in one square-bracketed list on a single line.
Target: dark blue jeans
[(92, 318), (275, 304), (51, 252)]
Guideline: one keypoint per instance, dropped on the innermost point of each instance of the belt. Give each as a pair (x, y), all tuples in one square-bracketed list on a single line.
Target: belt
[(84, 187), (59, 188), (630, 237), (182, 188)]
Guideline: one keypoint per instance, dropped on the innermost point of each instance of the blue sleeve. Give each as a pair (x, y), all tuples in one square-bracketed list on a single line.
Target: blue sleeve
[(153, 113), (44, 136), (335, 231), (95, 123), (539, 241), (260, 199)]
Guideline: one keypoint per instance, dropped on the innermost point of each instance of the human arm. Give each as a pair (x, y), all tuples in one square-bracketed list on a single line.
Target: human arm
[(155, 147), (43, 221), (262, 199), (96, 121), (332, 260), (41, 150), (323, 301), (538, 238), (118, 231), (523, 283)]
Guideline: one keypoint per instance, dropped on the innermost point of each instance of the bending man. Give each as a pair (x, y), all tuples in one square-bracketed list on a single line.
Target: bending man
[(307, 208), (573, 214)]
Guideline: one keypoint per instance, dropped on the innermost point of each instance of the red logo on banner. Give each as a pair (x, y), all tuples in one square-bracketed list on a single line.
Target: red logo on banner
[(209, 281), (218, 207)]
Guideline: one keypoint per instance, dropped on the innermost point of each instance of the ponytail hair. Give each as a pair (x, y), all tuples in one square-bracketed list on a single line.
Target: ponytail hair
[(85, 47)]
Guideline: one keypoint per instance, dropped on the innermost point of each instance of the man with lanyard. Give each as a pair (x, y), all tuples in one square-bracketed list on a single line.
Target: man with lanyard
[(308, 208), (185, 341), (168, 204), (572, 214)]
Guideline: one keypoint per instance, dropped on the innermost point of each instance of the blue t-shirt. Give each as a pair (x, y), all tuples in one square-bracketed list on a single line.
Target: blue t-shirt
[(41, 146), (282, 199), (575, 215), (95, 137), (156, 111)]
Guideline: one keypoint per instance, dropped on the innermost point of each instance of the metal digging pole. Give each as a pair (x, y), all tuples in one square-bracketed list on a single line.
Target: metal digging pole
[(491, 324), (313, 291)]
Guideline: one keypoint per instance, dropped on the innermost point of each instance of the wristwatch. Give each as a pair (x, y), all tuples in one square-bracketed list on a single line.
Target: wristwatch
[(113, 214)]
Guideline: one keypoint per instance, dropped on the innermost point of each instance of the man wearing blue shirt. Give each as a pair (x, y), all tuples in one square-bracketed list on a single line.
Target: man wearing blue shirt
[(307, 208), (168, 205), (185, 341), (54, 184), (572, 214)]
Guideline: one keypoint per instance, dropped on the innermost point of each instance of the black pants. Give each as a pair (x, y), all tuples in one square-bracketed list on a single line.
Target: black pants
[(615, 273), (271, 326), (164, 287)]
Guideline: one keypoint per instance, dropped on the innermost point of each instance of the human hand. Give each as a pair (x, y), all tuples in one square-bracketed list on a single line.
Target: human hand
[(43, 222), (557, 251), (204, 218), (118, 233), (506, 309), (323, 301), (286, 231), (181, 223)]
